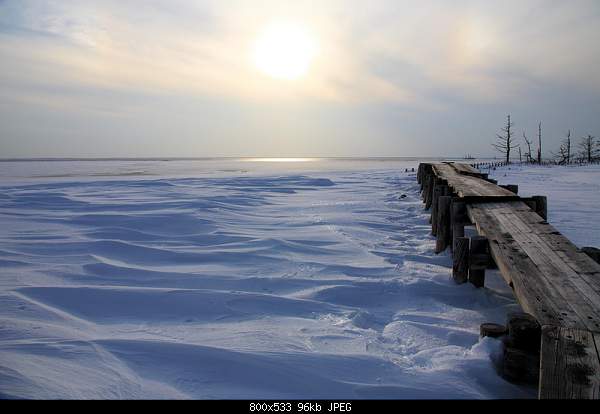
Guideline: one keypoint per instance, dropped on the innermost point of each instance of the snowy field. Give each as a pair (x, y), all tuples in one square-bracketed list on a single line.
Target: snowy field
[(247, 279)]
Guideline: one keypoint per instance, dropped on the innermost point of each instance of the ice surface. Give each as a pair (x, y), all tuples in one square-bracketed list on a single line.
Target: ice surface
[(241, 279)]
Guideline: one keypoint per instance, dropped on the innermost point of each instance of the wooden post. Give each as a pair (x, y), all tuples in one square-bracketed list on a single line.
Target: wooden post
[(513, 188), (524, 332), (423, 178), (521, 356), (425, 182), (593, 252), (443, 223), (437, 193), (460, 257), (458, 218), (478, 260), (530, 203), (520, 367), (541, 206), (429, 190), (493, 330), (422, 173)]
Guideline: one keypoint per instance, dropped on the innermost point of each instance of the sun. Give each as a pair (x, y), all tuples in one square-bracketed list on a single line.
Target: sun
[(285, 51)]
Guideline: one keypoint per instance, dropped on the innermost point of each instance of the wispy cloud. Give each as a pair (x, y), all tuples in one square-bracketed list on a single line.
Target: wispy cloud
[(413, 57)]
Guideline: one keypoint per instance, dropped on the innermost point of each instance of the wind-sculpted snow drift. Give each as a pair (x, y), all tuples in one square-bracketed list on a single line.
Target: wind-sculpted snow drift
[(241, 284)]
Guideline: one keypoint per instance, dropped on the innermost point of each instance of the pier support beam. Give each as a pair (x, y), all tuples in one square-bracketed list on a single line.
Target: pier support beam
[(592, 252), (438, 191), (428, 191), (478, 260), (424, 179), (443, 223), (524, 331), (460, 258), (541, 203), (513, 188), (493, 330), (521, 362), (458, 219), (520, 367)]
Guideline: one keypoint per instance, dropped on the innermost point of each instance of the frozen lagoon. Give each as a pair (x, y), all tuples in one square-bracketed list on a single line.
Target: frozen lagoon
[(244, 279)]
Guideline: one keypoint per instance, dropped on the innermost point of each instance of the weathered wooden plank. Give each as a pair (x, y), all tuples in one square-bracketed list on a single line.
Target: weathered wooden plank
[(567, 262), (567, 271), (570, 364), (544, 284), (468, 185), (521, 273), (551, 289), (552, 279), (465, 169), (476, 187)]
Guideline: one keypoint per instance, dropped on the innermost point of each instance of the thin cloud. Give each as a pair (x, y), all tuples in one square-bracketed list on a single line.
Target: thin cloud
[(425, 63)]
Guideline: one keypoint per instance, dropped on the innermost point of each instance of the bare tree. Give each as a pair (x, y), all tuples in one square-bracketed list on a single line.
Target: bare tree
[(590, 148), (539, 152), (561, 156), (528, 153), (505, 141), (567, 144), (564, 152)]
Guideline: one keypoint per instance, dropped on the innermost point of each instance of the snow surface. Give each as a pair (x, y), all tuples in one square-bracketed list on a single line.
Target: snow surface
[(245, 279)]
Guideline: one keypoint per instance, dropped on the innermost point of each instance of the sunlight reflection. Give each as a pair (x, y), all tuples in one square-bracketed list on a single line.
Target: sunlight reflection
[(281, 159)]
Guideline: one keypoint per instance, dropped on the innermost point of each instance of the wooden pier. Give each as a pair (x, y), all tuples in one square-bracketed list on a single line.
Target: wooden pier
[(554, 281)]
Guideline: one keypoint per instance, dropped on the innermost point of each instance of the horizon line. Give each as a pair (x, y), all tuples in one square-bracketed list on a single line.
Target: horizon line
[(17, 159)]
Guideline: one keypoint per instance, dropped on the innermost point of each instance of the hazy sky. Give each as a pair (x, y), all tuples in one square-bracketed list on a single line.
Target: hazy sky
[(387, 78)]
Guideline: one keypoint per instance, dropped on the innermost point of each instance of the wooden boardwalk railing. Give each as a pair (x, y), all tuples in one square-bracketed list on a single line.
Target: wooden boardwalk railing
[(554, 281)]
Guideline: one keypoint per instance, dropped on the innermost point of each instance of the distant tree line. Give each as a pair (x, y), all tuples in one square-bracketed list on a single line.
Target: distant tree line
[(587, 148)]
